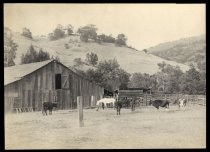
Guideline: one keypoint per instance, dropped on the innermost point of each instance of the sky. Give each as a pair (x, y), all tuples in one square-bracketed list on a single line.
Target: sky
[(145, 25)]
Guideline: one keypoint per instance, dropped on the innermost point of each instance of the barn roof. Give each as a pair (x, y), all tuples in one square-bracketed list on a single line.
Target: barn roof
[(15, 73)]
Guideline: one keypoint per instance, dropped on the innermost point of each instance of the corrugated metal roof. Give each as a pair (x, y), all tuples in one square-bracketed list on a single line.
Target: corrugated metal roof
[(15, 73)]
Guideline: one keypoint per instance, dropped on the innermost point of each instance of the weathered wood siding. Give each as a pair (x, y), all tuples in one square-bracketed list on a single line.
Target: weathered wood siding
[(39, 86)]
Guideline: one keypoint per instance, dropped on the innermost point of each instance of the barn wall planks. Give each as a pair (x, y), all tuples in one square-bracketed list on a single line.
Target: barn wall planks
[(39, 86)]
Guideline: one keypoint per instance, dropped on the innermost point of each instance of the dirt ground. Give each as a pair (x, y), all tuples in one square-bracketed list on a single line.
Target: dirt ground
[(143, 128)]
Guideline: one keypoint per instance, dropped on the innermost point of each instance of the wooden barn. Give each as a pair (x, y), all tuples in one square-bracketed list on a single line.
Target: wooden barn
[(26, 86)]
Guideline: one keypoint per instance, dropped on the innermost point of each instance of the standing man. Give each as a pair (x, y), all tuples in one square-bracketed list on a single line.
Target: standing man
[(118, 107), (133, 104)]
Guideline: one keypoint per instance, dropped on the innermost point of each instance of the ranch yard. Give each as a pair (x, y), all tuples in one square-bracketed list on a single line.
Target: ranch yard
[(146, 127)]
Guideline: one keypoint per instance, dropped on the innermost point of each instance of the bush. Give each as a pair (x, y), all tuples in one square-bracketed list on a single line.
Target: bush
[(27, 33), (59, 33), (66, 46), (33, 56), (121, 40), (92, 58), (78, 61), (87, 32)]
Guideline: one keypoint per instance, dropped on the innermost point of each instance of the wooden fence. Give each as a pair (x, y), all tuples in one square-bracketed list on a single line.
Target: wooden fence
[(14, 104), (193, 99)]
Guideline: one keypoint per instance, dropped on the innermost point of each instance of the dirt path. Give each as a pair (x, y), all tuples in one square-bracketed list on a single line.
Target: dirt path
[(143, 128)]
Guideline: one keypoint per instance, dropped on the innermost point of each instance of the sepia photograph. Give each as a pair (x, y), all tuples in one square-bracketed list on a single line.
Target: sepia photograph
[(104, 76)]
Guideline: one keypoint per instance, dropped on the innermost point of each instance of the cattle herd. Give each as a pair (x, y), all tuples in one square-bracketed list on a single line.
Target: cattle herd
[(156, 103), (118, 105)]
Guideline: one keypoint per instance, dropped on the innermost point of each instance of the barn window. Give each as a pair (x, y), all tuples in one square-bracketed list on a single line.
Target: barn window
[(57, 81)]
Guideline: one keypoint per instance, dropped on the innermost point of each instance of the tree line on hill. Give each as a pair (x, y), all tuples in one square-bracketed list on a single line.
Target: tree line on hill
[(32, 55), (111, 76), (169, 79), (87, 33)]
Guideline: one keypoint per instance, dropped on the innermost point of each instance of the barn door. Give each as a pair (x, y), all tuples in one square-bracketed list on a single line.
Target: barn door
[(65, 81)]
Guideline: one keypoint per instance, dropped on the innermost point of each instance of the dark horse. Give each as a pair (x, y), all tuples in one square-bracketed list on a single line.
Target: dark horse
[(48, 106), (118, 106), (159, 103)]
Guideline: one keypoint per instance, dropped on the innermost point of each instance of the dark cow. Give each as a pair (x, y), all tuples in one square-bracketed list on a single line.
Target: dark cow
[(159, 103), (48, 106), (118, 106)]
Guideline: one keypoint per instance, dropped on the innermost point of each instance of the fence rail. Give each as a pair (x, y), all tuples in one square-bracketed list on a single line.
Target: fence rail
[(194, 99), (13, 104)]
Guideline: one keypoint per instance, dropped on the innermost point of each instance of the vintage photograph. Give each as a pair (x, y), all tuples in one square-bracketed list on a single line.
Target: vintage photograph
[(104, 76)]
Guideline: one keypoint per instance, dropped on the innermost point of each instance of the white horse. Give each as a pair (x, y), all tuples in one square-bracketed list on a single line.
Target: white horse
[(105, 101)]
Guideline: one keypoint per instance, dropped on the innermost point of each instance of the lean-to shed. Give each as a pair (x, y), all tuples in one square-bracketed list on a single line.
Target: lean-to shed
[(28, 85)]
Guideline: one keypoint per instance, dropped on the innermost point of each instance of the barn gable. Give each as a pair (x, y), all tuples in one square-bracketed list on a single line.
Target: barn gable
[(17, 72)]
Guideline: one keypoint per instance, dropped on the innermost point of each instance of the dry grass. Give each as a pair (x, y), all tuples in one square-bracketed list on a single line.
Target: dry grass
[(129, 59), (143, 128)]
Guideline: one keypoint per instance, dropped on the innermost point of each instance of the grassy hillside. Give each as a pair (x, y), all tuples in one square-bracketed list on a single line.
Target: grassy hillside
[(129, 59), (182, 51)]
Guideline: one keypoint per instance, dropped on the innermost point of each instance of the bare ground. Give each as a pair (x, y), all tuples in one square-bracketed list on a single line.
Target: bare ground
[(143, 128)]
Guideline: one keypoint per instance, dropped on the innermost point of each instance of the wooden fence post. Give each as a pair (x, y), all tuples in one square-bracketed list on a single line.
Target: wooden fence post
[(146, 100), (204, 100), (80, 111), (91, 101)]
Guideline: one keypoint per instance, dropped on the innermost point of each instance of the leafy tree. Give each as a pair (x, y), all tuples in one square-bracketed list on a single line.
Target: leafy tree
[(95, 75), (109, 75), (162, 66), (175, 81), (192, 82), (10, 48), (58, 33), (105, 38), (139, 80), (101, 37), (175, 78), (56, 58), (51, 36), (87, 32), (78, 61), (42, 56), (69, 29), (33, 56), (170, 77), (145, 50), (92, 58), (30, 56), (121, 40), (124, 78), (109, 39), (84, 37), (27, 33), (60, 27)]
